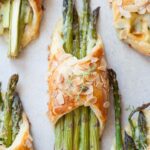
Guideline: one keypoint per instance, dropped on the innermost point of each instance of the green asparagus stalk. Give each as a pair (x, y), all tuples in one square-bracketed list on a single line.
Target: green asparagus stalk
[(76, 132), (76, 35), (117, 105), (65, 139), (16, 115), (22, 23), (94, 132), (84, 131), (59, 134), (68, 131), (76, 52), (94, 123), (92, 32), (8, 109), (68, 24), (84, 27)]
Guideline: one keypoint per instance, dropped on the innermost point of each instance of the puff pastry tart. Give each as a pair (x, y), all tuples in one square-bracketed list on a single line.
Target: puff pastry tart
[(73, 82), (132, 21), (20, 23), (14, 125)]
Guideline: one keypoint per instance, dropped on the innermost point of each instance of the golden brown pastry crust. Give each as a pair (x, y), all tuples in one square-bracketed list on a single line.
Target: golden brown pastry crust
[(23, 140), (32, 30), (74, 83), (132, 21)]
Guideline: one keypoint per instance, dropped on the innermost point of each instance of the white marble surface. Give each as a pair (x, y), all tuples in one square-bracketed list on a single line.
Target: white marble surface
[(133, 72)]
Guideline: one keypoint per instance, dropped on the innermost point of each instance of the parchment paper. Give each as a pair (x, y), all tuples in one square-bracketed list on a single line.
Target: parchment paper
[(132, 68)]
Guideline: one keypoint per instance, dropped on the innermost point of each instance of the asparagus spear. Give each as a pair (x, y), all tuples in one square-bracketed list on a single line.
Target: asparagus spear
[(8, 109), (84, 28), (22, 17), (91, 41), (76, 35), (76, 52), (59, 134), (16, 115), (84, 139), (66, 136), (84, 136), (117, 104), (94, 132), (68, 131), (14, 28), (67, 27), (92, 32)]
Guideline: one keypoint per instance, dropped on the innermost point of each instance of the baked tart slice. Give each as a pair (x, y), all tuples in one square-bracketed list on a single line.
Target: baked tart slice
[(78, 82), (14, 125), (20, 23), (132, 22)]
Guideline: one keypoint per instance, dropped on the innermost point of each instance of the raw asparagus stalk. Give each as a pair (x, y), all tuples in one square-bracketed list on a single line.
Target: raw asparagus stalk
[(117, 105), (84, 131), (16, 115), (68, 131), (8, 109), (14, 28), (94, 132), (59, 134)]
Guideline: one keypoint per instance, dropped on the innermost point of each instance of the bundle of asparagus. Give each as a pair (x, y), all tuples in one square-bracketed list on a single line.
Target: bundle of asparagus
[(80, 129), (136, 135), (19, 20), (13, 119)]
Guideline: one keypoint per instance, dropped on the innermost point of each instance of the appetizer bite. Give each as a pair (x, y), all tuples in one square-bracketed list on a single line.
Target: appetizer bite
[(132, 21), (78, 83), (14, 125), (20, 23), (136, 135)]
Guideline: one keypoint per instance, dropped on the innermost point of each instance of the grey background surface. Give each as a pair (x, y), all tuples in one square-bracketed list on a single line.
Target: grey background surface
[(132, 68)]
